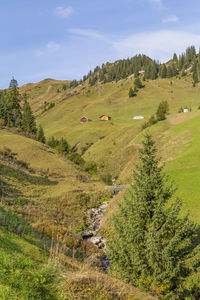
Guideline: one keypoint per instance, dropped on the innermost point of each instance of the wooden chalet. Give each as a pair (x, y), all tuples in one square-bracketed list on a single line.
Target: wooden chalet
[(85, 120), (104, 118)]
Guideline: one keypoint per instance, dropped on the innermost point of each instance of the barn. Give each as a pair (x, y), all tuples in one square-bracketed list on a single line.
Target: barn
[(85, 120), (104, 118)]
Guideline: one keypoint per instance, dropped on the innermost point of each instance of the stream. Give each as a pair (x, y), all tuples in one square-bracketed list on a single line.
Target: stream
[(92, 233)]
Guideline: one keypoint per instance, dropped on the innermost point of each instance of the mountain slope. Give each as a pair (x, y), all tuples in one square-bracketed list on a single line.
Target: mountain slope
[(114, 144)]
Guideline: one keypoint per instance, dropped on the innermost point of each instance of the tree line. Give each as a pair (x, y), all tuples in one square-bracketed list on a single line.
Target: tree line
[(142, 64), (15, 110)]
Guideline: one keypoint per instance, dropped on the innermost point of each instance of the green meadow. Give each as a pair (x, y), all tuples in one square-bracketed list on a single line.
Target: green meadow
[(114, 144)]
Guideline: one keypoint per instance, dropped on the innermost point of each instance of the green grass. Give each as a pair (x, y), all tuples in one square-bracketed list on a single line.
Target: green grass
[(114, 144), (24, 272), (49, 197)]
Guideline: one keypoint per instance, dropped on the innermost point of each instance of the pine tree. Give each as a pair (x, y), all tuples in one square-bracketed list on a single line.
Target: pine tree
[(40, 135), (13, 83), (13, 106), (163, 71), (131, 92), (175, 58), (138, 84), (151, 245), (163, 109), (169, 72), (28, 120), (62, 146)]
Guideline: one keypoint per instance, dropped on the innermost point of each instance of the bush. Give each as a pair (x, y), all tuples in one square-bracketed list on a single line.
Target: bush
[(163, 109), (76, 158), (91, 168), (62, 146)]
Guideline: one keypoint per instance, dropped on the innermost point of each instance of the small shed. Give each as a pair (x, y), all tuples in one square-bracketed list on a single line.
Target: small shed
[(85, 120), (185, 110), (138, 117), (104, 118)]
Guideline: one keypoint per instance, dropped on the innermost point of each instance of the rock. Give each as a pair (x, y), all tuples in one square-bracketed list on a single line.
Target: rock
[(101, 245), (95, 240), (94, 222), (87, 234)]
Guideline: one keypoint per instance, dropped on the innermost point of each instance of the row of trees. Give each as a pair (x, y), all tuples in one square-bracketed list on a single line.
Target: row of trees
[(15, 110), (161, 113), (137, 85), (151, 69), (152, 246)]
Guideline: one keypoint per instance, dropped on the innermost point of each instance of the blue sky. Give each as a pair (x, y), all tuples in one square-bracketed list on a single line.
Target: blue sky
[(64, 39)]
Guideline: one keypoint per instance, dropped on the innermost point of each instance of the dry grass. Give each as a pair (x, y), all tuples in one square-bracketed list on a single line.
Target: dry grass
[(90, 284)]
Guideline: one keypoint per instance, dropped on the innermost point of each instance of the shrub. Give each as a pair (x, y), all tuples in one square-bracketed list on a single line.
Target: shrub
[(163, 109), (76, 158), (91, 168)]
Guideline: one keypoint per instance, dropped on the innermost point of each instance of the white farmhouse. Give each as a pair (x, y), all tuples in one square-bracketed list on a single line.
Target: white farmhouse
[(185, 110), (138, 118)]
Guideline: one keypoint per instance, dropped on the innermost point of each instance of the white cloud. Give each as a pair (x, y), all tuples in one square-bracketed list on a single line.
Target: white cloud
[(158, 44), (170, 19), (49, 48), (86, 32), (63, 12)]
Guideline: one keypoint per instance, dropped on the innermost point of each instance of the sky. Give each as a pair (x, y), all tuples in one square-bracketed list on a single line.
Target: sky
[(64, 39)]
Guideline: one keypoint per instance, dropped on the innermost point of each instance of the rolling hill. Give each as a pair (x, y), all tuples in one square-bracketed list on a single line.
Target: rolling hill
[(46, 192), (113, 144)]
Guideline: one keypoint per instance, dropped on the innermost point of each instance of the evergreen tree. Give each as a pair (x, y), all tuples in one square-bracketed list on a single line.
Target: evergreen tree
[(52, 142), (163, 109), (62, 146), (151, 245), (174, 70), (3, 109), (175, 58), (131, 92), (40, 135), (138, 84), (13, 107), (169, 72), (181, 62), (64, 87), (13, 83), (163, 72), (28, 120)]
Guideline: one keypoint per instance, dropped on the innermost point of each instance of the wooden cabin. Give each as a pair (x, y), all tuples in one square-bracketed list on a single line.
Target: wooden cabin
[(85, 120), (104, 118)]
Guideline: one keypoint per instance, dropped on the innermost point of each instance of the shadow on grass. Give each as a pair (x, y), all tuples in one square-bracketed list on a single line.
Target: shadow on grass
[(25, 177), (18, 225)]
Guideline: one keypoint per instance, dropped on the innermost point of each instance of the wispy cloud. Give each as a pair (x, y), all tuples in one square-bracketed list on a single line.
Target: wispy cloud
[(170, 19), (86, 32), (158, 44), (63, 12), (49, 48)]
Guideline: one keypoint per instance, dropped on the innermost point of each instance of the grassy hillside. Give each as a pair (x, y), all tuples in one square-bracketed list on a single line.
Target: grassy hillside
[(114, 144), (50, 191)]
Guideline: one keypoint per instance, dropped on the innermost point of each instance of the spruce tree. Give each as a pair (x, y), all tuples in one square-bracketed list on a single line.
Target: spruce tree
[(28, 120), (131, 92), (40, 134), (169, 72), (163, 71), (138, 83), (151, 245), (163, 109), (13, 83), (13, 106)]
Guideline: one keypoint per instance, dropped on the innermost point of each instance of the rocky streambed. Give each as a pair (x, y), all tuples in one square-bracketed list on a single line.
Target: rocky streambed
[(94, 223)]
